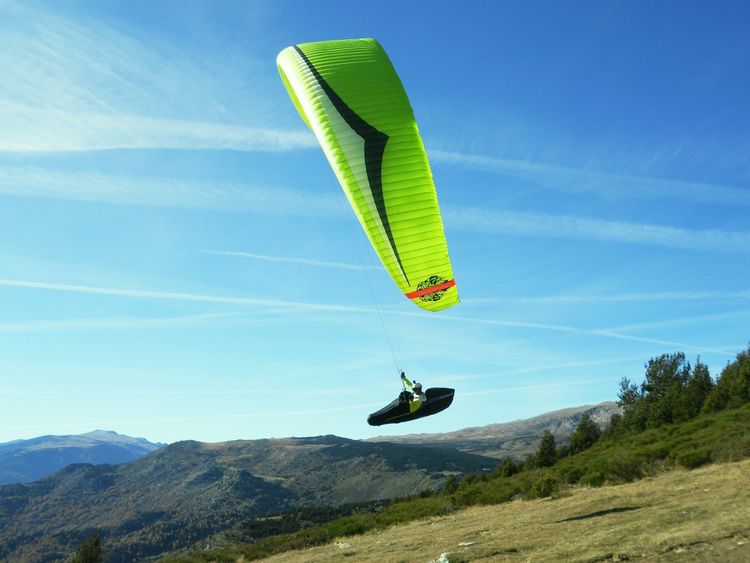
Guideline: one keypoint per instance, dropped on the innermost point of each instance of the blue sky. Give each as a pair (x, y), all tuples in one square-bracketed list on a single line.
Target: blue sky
[(177, 260)]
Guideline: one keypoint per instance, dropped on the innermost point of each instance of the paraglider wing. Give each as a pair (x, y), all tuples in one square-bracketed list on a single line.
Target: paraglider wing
[(438, 399), (349, 94)]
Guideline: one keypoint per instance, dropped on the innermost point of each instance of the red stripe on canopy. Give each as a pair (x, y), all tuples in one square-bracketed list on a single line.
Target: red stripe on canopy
[(432, 289)]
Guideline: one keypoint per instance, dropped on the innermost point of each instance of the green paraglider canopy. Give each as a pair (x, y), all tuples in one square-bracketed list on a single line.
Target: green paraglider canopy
[(349, 94)]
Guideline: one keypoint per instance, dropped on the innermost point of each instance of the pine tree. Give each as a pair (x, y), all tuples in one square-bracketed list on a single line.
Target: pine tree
[(586, 434), (666, 379), (546, 455), (698, 389), (615, 426), (632, 401), (733, 387), (671, 392)]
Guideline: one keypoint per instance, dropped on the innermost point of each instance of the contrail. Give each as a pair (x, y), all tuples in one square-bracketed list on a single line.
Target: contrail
[(267, 414), (305, 261), (296, 305)]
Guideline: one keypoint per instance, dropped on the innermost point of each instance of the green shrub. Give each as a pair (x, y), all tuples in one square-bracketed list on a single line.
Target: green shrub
[(472, 478), (451, 484), (593, 479), (693, 459), (468, 496), (506, 468), (504, 490), (571, 473), (544, 486), (658, 451), (624, 468)]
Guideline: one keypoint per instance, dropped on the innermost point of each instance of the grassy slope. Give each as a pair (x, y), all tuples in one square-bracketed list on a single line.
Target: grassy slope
[(700, 515), (720, 437)]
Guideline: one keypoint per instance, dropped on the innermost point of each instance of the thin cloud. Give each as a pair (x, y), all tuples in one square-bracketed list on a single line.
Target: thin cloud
[(606, 333), (302, 306), (618, 298), (266, 414), (129, 190), (546, 367), (568, 226), (562, 384), (163, 192), (660, 341), (179, 296), (79, 84), (27, 129), (182, 392), (303, 261), (604, 184), (685, 321), (125, 323)]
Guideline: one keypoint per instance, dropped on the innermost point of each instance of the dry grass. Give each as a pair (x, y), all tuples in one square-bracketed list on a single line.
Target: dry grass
[(699, 515)]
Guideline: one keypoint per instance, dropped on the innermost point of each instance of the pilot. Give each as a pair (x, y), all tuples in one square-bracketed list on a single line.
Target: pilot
[(418, 398)]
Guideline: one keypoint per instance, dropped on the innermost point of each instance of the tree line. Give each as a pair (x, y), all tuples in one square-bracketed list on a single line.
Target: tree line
[(672, 391)]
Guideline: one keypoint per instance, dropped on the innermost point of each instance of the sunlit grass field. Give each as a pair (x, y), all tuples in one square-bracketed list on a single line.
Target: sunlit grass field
[(698, 515)]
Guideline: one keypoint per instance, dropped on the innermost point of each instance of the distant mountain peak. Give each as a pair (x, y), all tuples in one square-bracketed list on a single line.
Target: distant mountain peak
[(22, 461), (100, 432)]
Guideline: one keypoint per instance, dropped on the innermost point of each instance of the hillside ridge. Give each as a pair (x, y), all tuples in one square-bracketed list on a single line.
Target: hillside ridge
[(185, 491)]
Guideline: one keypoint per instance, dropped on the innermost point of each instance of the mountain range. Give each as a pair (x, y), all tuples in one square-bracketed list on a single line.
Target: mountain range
[(181, 493), (23, 461), (178, 495)]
